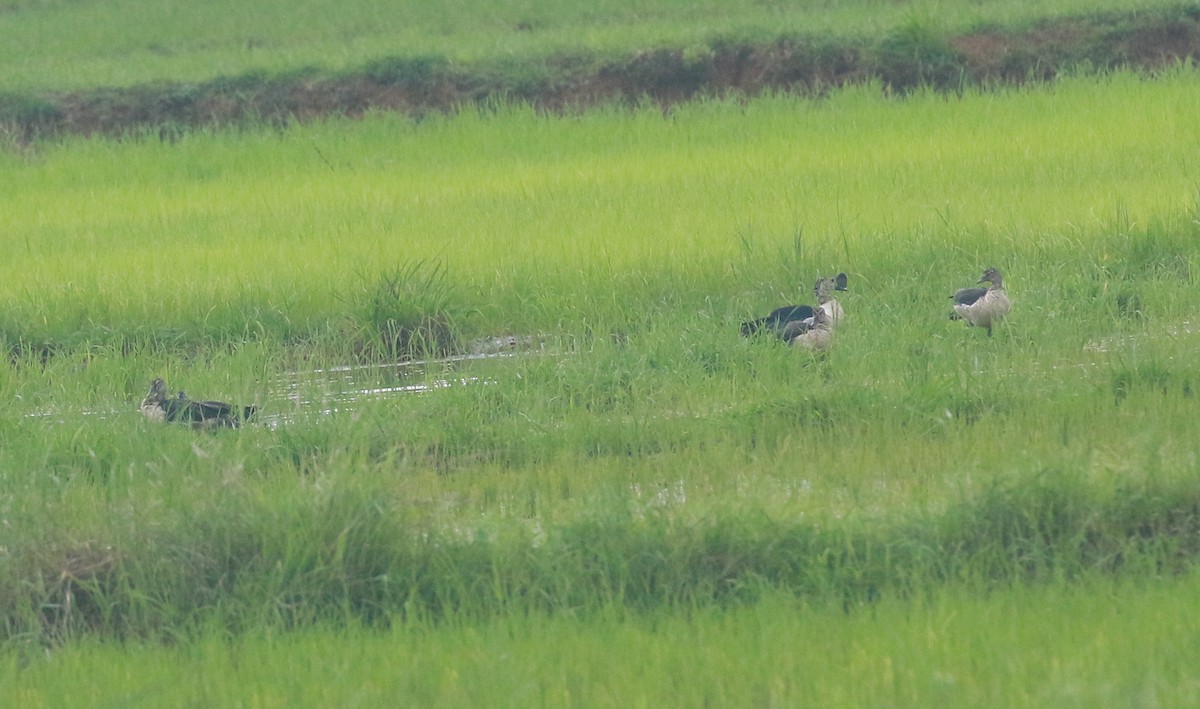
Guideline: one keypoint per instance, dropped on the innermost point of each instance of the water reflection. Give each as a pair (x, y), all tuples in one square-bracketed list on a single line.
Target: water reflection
[(327, 391)]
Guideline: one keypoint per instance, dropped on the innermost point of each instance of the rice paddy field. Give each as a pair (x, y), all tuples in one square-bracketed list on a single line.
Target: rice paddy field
[(510, 447)]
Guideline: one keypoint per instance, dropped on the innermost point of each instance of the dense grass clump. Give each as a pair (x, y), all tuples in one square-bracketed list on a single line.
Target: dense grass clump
[(408, 312)]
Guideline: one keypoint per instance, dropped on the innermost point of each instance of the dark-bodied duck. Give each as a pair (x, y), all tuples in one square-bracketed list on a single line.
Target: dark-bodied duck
[(157, 406), (982, 307), (777, 321)]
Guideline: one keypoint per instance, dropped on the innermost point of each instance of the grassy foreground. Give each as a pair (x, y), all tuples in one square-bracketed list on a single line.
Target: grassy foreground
[(1095, 644)]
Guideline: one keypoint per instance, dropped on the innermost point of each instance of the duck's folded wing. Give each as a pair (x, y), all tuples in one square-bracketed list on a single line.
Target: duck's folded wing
[(213, 409), (195, 411), (967, 296), (788, 313), (777, 319)]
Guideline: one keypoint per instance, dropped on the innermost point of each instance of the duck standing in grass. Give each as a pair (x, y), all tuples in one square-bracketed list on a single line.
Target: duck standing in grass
[(779, 320), (982, 307), (157, 406)]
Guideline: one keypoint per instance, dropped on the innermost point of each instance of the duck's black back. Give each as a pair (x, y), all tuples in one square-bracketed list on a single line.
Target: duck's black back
[(197, 412), (778, 319), (967, 296)]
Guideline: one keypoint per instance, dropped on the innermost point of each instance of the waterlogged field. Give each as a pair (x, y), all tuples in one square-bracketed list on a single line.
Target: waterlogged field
[(80, 45), (926, 515)]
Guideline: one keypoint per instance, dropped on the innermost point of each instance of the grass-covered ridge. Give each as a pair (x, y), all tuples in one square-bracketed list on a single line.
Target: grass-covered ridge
[(77, 45), (213, 66)]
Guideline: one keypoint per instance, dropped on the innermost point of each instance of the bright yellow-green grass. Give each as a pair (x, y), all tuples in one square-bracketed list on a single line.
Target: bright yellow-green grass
[(147, 231), (75, 45)]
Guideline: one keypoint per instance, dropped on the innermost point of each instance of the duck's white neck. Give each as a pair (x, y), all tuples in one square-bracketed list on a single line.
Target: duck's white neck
[(832, 308)]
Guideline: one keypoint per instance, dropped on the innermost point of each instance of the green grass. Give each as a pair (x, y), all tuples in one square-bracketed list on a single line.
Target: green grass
[(68, 46), (1095, 644), (234, 236), (643, 478)]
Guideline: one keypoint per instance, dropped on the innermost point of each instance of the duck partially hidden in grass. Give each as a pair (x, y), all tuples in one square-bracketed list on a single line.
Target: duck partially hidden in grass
[(779, 320), (816, 336), (157, 406), (982, 307)]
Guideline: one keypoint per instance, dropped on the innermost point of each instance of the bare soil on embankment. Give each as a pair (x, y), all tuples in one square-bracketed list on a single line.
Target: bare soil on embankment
[(908, 57)]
